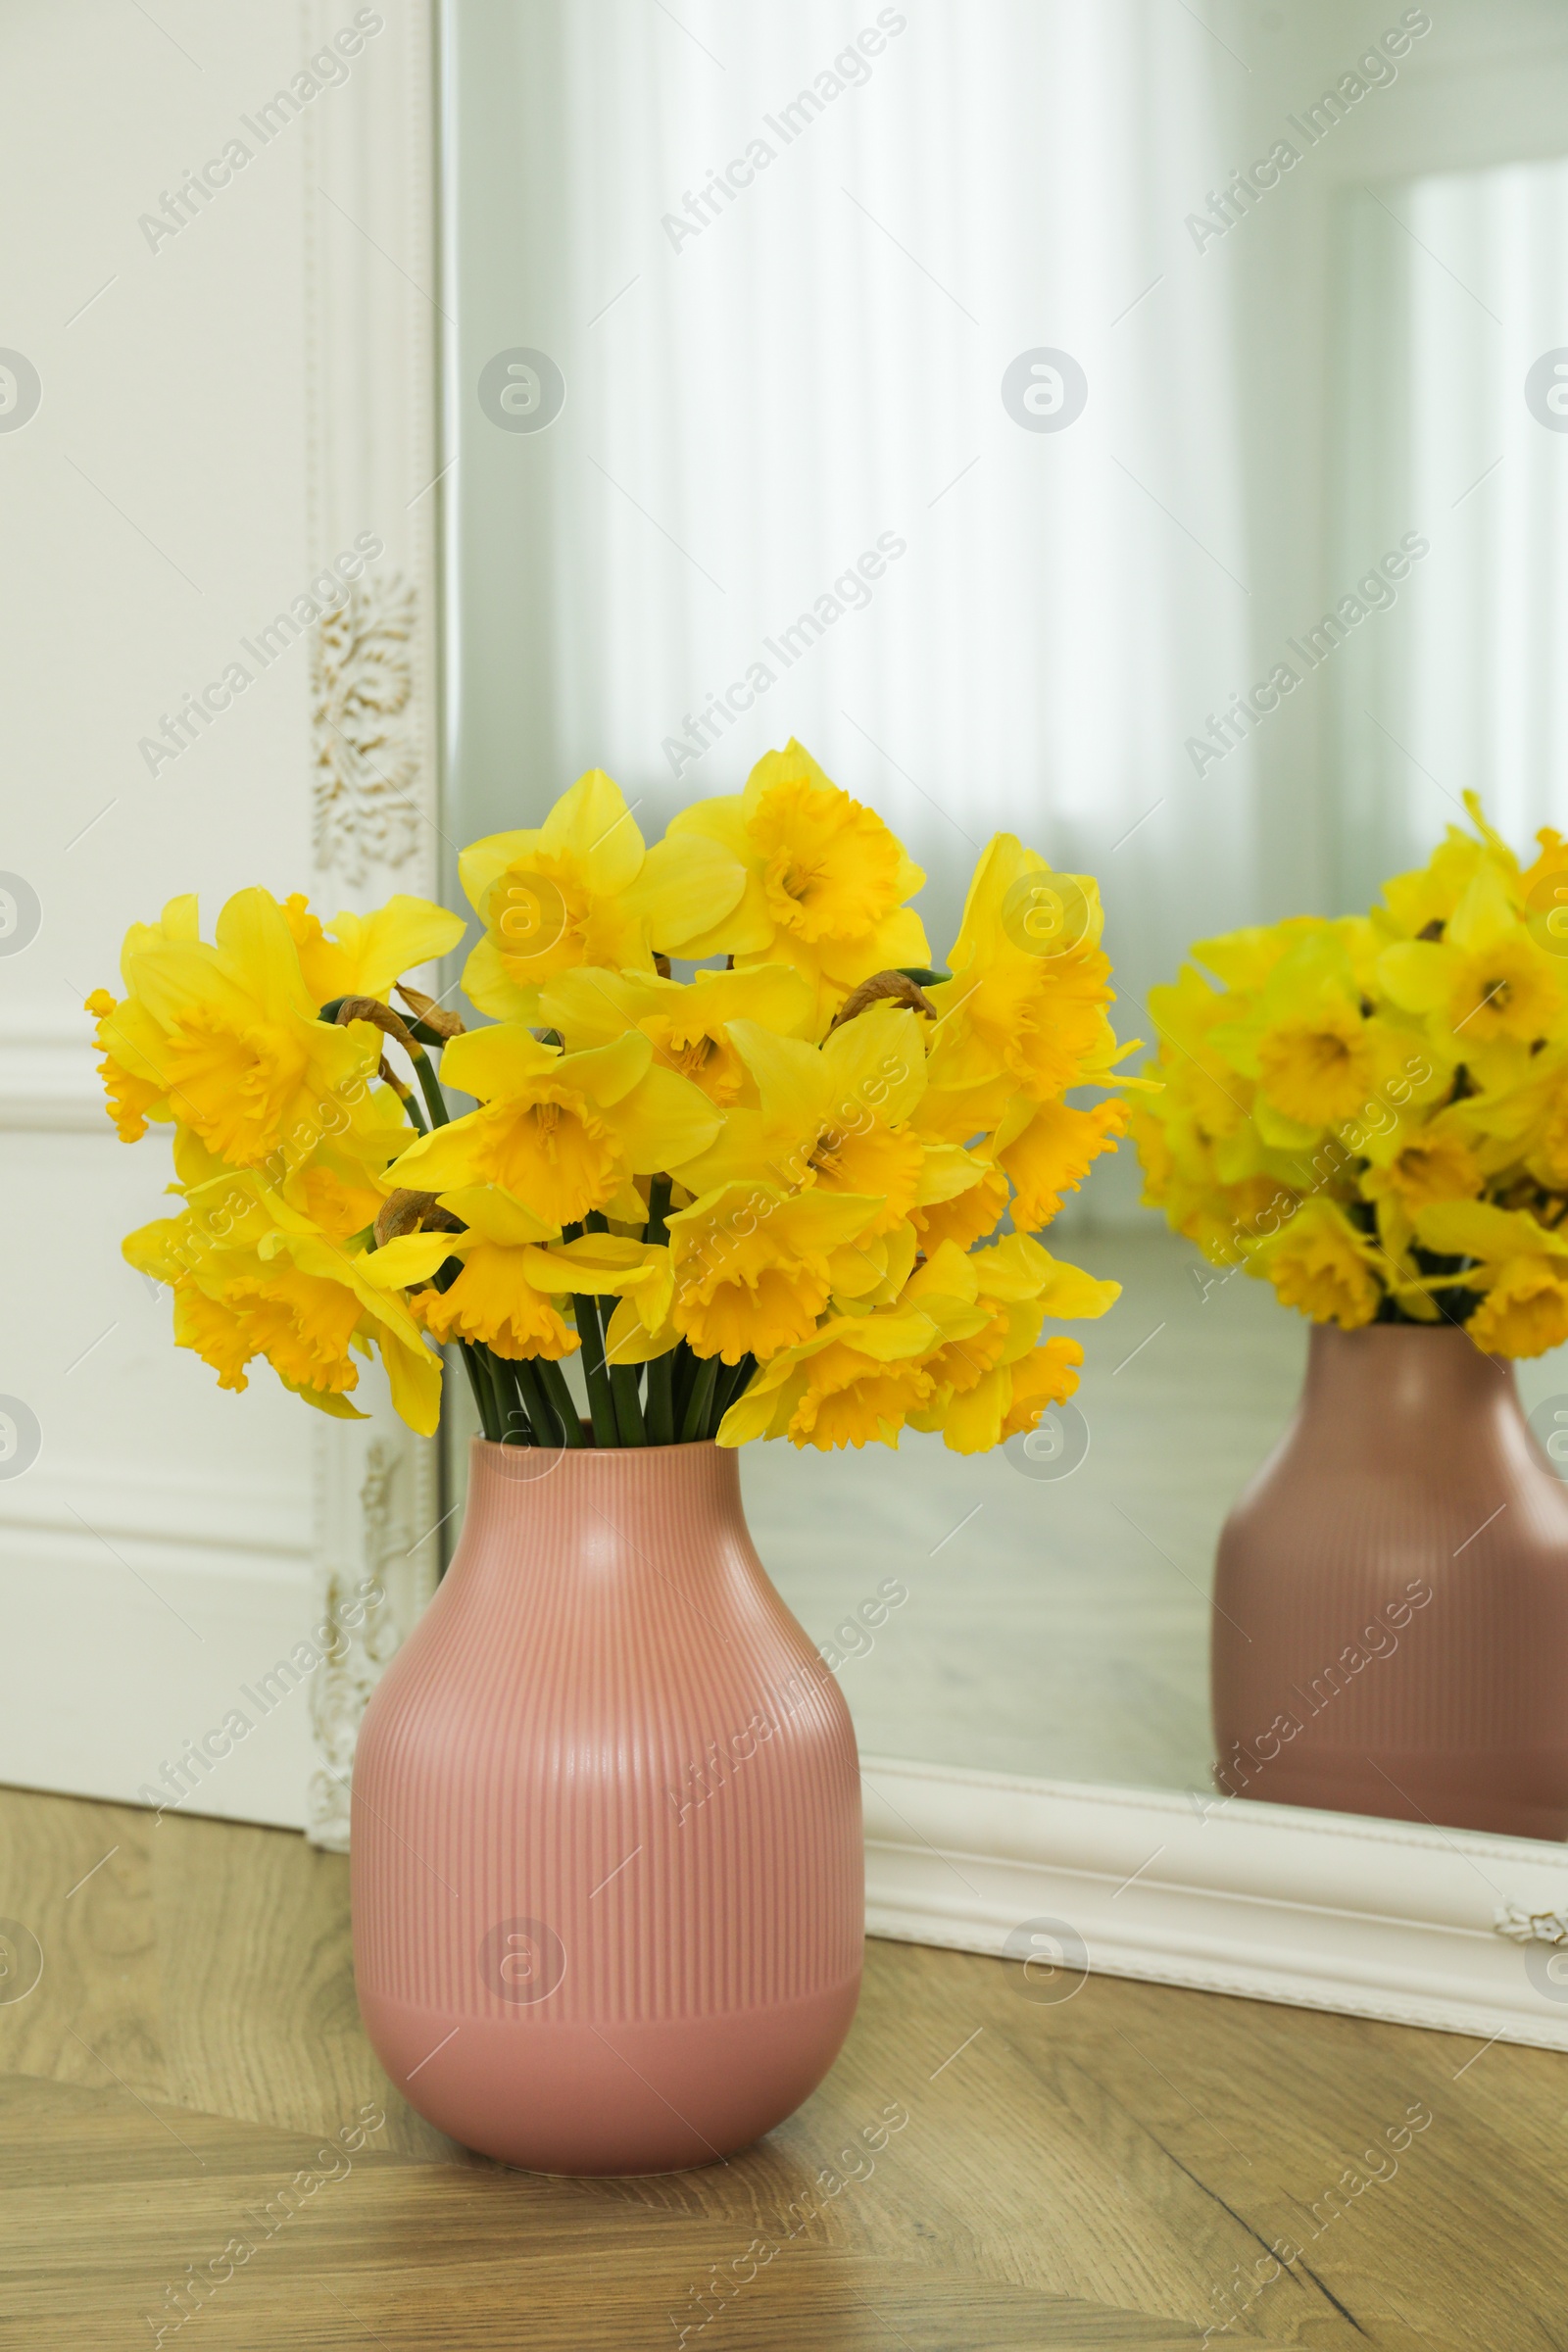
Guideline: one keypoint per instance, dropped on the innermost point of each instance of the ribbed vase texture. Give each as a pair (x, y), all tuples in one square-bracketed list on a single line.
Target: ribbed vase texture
[(1390, 1597), (606, 1861)]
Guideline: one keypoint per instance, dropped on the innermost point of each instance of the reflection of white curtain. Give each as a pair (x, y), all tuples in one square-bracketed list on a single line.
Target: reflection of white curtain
[(752, 407), (1452, 288)]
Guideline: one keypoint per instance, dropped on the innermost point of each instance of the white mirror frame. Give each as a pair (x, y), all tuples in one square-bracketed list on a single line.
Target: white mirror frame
[(1398, 1920), (1408, 1922), (367, 193)]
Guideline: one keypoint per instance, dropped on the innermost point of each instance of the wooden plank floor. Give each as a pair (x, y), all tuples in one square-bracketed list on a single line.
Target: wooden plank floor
[(1109, 2170)]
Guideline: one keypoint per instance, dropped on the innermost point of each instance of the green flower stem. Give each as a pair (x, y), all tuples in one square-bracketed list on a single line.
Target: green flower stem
[(514, 1430), (541, 1412), (660, 1410), (628, 1408), (407, 1038), (494, 1427), (622, 1377), (423, 1032), (430, 1088), (507, 1410), (731, 1386), (405, 1095), (553, 1381), (693, 1426), (522, 1408), (600, 1400), (656, 1230), (483, 1403), (685, 1374)]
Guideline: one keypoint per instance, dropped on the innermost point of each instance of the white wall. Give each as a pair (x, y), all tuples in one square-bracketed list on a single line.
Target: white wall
[(157, 1554)]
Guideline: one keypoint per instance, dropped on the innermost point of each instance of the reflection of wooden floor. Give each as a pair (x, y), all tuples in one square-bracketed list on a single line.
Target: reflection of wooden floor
[(1062, 1631), (1089, 2173)]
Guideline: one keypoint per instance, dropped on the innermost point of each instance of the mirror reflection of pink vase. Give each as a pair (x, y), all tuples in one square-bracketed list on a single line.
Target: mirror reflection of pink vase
[(607, 1862), (1390, 1630)]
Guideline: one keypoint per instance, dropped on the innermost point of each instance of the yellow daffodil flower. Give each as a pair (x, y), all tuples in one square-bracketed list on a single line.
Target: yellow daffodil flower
[(1010, 1006), (583, 888), (1047, 1375), (688, 1023), (716, 1164), (331, 1172), (229, 1036), (754, 1266), (1486, 991), (1416, 1164), (1319, 1262), (1525, 1125), (563, 1133), (826, 882), (251, 1277), (1201, 1083), (1245, 960), (1018, 1284), (1318, 1065), (1525, 1310), (1522, 1272), (834, 1116), (127, 1037), (963, 1192), (362, 955), (1314, 1047), (1420, 903), (638, 1275), (497, 1298), (857, 1379), (873, 1272), (968, 1213), (1046, 1149)]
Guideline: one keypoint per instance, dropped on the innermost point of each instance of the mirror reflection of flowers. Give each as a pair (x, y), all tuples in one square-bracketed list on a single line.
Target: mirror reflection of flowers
[(793, 1192), (1372, 1112)]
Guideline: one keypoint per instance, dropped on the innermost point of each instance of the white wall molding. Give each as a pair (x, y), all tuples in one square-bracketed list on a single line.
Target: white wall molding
[(1328, 1911), (118, 1504), (369, 194), (49, 1082)]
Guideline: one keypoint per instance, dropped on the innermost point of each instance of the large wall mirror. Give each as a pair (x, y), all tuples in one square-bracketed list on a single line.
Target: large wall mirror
[(1155, 348)]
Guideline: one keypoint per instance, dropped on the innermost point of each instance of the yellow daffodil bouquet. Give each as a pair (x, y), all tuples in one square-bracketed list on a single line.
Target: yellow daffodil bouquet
[(1372, 1113), (760, 1200)]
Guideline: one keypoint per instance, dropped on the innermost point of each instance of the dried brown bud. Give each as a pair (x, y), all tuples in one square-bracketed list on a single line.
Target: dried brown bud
[(895, 988), (413, 1212), (426, 1009), (390, 1023)]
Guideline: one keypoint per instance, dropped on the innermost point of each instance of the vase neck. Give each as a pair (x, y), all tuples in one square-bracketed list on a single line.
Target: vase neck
[(1390, 1376), (603, 1513)]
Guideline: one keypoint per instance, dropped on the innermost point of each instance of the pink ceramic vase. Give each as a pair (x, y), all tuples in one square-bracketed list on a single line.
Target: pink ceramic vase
[(1390, 1597), (607, 1873)]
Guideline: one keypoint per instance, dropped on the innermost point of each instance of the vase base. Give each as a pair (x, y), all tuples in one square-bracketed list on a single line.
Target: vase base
[(611, 2099), (1508, 1796)]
